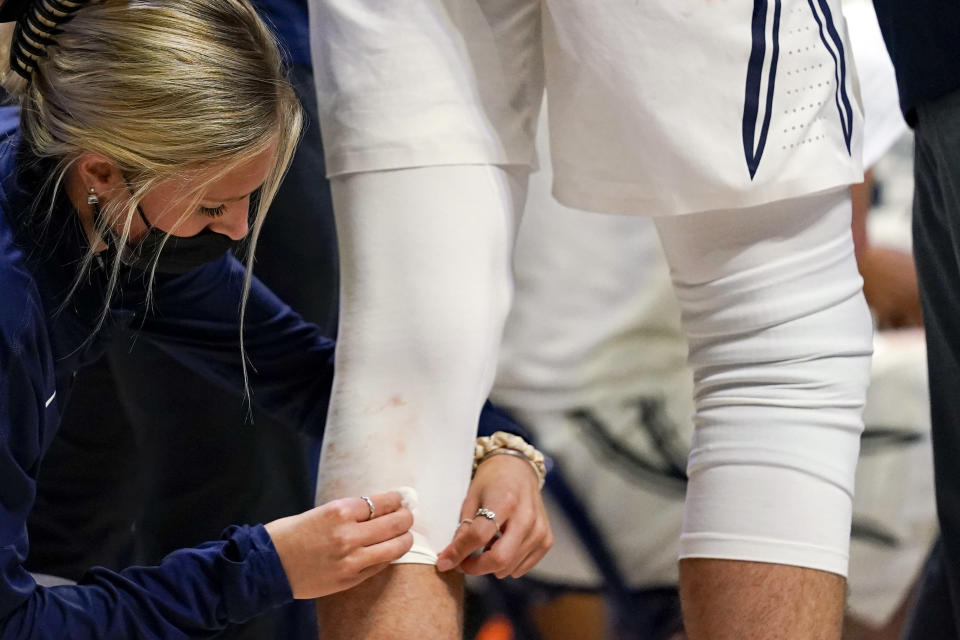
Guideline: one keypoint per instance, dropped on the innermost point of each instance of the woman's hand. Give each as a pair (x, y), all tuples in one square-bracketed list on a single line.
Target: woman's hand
[(508, 487), (335, 547)]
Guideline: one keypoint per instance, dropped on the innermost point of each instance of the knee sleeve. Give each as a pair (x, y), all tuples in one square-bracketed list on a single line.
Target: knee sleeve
[(426, 285), (780, 341)]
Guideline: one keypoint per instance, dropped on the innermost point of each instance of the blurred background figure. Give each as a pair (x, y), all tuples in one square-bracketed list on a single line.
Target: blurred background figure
[(593, 361)]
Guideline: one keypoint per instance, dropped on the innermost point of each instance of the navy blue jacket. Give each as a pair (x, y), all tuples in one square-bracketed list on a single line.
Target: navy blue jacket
[(194, 317), (923, 37), (288, 18)]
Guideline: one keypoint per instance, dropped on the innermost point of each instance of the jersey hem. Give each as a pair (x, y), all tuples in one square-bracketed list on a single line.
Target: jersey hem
[(600, 196), (380, 159)]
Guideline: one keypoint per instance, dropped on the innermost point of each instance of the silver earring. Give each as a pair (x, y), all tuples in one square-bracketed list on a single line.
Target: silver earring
[(92, 198)]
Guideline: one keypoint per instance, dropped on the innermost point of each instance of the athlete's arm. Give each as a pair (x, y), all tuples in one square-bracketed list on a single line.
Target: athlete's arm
[(451, 89), (425, 290)]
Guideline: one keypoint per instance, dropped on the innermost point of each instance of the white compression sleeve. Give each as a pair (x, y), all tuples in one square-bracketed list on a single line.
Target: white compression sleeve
[(780, 343), (426, 285)]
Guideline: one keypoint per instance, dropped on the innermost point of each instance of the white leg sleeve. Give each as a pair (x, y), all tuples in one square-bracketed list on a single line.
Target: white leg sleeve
[(780, 343), (426, 285)]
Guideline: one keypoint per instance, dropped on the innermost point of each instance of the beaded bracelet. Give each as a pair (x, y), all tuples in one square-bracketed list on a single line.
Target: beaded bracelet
[(503, 443)]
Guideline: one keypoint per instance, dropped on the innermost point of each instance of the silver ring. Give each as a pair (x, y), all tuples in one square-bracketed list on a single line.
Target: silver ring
[(483, 512), (369, 502)]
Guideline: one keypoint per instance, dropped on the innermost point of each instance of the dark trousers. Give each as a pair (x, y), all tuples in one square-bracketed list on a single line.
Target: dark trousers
[(936, 238), (151, 457)]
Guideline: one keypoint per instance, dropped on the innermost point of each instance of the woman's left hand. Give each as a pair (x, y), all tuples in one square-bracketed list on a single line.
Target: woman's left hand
[(509, 488)]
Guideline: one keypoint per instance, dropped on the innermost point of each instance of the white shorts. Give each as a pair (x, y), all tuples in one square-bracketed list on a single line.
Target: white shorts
[(657, 107)]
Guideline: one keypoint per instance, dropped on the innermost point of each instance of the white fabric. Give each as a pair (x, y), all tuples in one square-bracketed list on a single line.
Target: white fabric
[(595, 314), (779, 338), (593, 361), (883, 123), (888, 142), (425, 287), (781, 367), (648, 116), (46, 580), (639, 513), (406, 84), (648, 99)]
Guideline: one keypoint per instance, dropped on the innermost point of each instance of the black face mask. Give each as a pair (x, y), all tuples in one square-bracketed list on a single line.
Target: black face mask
[(171, 254)]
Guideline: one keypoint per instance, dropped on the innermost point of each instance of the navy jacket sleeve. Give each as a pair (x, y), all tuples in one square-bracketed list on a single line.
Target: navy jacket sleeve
[(193, 591), (195, 318), (196, 591), (493, 419)]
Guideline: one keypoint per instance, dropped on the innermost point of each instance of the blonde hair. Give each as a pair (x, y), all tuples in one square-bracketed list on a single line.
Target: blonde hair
[(162, 88)]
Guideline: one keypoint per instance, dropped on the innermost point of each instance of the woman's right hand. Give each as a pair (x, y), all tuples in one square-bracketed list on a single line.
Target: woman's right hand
[(335, 547)]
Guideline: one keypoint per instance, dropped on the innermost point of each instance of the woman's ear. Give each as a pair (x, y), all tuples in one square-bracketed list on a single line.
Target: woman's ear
[(100, 173)]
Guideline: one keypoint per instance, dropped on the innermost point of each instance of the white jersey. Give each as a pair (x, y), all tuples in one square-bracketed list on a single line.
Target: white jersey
[(657, 107)]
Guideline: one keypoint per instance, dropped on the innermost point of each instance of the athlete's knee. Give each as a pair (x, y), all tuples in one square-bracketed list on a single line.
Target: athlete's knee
[(777, 440), (780, 341)]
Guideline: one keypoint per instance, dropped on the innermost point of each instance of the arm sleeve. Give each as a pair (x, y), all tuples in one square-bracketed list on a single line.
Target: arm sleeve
[(425, 289), (428, 110), (193, 591), (196, 318)]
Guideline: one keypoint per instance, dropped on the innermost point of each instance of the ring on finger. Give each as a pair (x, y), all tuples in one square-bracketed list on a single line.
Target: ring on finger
[(373, 509), (483, 512)]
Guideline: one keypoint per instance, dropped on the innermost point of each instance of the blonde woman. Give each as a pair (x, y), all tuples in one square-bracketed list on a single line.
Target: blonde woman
[(151, 134)]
